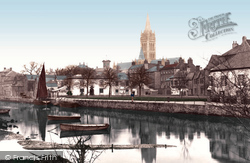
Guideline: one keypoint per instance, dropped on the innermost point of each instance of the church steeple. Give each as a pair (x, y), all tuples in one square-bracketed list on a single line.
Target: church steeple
[(147, 27), (148, 42)]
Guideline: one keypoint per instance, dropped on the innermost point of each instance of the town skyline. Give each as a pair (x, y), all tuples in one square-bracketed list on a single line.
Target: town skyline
[(69, 33)]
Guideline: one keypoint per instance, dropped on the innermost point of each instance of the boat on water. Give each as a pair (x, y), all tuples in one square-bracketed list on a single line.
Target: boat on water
[(42, 94), (83, 127), (60, 117), (65, 134), (4, 111), (50, 122)]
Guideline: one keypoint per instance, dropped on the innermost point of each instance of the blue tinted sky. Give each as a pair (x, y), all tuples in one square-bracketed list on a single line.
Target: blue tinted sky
[(64, 32)]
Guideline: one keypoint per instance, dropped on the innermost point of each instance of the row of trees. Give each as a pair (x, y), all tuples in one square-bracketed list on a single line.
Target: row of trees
[(109, 77)]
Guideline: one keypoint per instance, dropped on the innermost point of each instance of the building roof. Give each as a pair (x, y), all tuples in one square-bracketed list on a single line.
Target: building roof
[(245, 46), (171, 66), (122, 76), (236, 58), (171, 60), (135, 66), (141, 55), (154, 69), (124, 66)]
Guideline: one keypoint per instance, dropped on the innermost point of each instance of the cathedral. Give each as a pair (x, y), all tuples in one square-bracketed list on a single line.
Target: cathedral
[(148, 42), (147, 50)]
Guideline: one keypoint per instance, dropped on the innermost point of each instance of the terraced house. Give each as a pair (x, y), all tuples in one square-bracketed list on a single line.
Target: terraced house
[(230, 77)]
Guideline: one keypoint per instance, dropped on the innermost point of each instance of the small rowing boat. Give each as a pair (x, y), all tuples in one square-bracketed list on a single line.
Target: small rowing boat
[(60, 117), (4, 111), (83, 127)]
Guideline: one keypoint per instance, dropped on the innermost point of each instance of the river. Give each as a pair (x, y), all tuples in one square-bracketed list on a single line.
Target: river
[(198, 138)]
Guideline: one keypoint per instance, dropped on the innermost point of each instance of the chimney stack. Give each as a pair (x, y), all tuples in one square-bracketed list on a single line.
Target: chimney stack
[(167, 62), (197, 68), (234, 44)]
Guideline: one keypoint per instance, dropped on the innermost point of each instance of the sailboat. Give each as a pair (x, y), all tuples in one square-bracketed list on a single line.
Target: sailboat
[(42, 94)]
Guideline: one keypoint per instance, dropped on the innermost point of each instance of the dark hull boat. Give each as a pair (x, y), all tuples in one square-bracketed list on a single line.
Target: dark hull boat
[(42, 94), (83, 127), (64, 134), (59, 117), (50, 122)]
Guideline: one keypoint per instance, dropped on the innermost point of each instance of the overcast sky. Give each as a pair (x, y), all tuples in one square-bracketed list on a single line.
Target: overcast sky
[(66, 32)]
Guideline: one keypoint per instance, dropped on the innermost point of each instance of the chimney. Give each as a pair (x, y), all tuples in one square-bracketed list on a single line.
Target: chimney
[(234, 44), (244, 38), (10, 68), (190, 61), (197, 68), (133, 63), (167, 62), (4, 68)]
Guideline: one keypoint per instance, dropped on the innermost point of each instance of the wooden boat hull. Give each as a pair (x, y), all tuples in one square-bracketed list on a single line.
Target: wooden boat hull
[(50, 122), (4, 111), (38, 102), (58, 117), (64, 134), (83, 127)]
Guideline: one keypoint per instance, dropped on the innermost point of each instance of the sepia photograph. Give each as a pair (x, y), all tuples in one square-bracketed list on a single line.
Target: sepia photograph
[(125, 81)]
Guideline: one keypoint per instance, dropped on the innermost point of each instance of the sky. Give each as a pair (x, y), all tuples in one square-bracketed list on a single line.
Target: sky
[(68, 32)]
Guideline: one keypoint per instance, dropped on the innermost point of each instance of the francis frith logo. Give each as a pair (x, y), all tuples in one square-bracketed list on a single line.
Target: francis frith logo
[(210, 28)]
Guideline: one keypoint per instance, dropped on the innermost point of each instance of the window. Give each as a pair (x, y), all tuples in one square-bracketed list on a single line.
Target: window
[(116, 91), (211, 80), (241, 79), (223, 80), (101, 90), (201, 80), (202, 90)]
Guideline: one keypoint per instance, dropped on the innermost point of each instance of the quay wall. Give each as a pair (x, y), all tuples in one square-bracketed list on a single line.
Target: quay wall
[(153, 106)]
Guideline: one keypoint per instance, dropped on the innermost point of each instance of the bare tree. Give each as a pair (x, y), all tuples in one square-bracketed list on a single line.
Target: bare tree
[(88, 75), (110, 78), (32, 68), (80, 151), (139, 78), (69, 72)]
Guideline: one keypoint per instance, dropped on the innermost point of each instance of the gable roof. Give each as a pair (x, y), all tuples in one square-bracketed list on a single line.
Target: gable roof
[(171, 66), (236, 58)]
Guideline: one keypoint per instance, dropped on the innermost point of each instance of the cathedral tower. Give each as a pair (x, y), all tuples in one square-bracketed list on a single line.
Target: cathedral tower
[(148, 42)]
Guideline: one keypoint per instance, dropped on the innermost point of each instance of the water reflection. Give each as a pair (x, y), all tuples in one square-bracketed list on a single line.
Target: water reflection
[(227, 139)]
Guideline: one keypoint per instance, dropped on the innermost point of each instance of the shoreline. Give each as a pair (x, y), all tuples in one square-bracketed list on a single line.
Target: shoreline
[(186, 107)]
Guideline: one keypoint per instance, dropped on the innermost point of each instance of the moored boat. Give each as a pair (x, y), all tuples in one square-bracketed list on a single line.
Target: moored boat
[(83, 127), (60, 117), (50, 122), (4, 111), (42, 94), (64, 134)]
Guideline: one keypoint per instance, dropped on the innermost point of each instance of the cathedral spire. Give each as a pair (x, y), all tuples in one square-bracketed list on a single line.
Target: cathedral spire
[(147, 28)]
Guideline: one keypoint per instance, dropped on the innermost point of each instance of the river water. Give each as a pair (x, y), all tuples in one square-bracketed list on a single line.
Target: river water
[(199, 139)]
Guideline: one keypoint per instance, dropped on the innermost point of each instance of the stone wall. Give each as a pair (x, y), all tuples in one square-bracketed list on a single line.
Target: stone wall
[(166, 107)]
